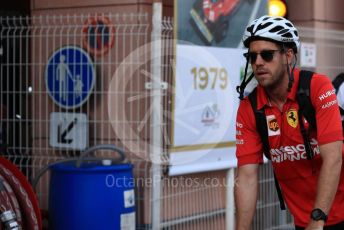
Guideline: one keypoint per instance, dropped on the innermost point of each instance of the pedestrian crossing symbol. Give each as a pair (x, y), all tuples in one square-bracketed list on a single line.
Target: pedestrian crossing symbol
[(70, 76)]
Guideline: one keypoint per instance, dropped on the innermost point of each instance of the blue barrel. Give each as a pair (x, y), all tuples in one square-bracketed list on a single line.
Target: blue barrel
[(93, 196)]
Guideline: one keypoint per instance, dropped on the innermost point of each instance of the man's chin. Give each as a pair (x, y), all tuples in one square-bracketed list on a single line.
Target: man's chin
[(264, 83)]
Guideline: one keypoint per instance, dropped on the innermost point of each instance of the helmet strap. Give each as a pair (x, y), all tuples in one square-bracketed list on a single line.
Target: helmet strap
[(241, 88), (291, 73)]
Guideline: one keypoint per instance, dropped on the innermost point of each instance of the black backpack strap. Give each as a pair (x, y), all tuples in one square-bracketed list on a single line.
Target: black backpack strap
[(306, 109), (338, 81), (279, 193), (341, 110), (260, 123), (262, 129)]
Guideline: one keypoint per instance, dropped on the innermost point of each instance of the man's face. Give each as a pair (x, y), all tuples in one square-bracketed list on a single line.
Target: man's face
[(268, 63)]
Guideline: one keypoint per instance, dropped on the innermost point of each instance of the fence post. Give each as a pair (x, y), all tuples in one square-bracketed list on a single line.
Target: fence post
[(230, 206), (156, 121)]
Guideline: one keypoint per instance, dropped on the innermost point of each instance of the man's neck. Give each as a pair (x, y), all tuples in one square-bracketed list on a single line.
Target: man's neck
[(279, 94)]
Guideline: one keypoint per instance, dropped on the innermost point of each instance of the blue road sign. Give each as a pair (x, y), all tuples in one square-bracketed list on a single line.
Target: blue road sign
[(70, 76)]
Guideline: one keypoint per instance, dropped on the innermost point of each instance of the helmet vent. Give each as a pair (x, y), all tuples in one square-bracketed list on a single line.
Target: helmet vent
[(263, 26), (287, 35), (250, 29), (266, 18), (283, 32), (288, 24), (276, 28)]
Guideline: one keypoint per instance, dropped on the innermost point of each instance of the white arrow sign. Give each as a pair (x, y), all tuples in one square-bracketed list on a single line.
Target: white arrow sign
[(69, 130)]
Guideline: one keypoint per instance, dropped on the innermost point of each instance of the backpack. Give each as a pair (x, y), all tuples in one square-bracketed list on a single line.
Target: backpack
[(306, 110), (337, 82)]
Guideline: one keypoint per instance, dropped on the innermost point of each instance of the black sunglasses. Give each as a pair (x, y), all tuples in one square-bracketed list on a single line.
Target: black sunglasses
[(266, 55)]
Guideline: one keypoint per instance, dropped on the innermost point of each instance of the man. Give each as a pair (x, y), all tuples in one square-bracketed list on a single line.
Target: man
[(63, 73), (313, 190), (339, 87)]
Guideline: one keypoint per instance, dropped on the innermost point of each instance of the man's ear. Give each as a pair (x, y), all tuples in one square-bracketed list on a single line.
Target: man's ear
[(290, 56)]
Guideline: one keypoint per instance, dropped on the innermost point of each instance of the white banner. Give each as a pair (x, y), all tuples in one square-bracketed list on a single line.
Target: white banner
[(202, 160), (205, 102)]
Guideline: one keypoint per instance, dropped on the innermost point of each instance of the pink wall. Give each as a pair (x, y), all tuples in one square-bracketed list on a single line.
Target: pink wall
[(317, 13)]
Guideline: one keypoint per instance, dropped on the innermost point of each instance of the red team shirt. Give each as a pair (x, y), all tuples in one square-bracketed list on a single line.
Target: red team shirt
[(297, 176)]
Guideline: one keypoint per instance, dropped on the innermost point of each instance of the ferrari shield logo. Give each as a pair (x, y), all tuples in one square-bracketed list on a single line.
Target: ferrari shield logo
[(292, 118)]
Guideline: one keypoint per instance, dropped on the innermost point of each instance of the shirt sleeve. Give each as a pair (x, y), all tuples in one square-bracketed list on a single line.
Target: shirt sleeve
[(249, 149), (324, 99)]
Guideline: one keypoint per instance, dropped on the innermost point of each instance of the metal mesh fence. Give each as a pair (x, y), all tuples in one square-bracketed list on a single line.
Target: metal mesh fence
[(27, 47)]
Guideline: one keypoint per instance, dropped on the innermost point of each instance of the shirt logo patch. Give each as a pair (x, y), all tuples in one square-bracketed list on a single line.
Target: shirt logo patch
[(273, 127), (292, 118)]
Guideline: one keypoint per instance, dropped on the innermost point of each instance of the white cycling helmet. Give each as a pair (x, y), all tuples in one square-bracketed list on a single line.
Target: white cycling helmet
[(271, 28)]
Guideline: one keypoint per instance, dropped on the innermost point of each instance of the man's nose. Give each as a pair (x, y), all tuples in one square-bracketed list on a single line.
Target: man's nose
[(259, 60)]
